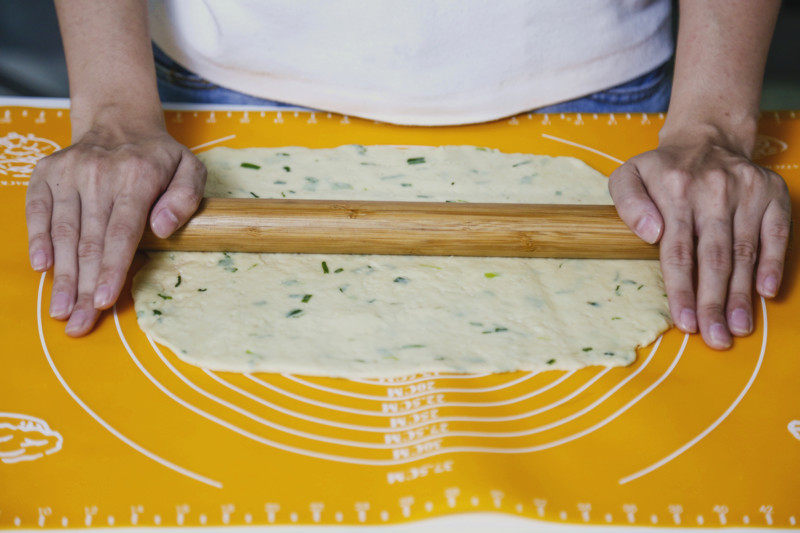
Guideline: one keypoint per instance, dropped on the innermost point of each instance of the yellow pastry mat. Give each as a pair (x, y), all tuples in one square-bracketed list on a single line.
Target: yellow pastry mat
[(114, 430)]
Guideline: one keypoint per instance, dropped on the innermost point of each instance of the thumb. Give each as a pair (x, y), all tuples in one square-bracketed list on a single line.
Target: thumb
[(181, 198), (634, 205)]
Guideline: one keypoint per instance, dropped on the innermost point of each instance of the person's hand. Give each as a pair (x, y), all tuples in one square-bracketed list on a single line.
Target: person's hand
[(696, 186), (87, 205)]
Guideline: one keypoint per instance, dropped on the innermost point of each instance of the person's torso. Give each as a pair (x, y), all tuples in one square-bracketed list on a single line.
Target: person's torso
[(416, 61)]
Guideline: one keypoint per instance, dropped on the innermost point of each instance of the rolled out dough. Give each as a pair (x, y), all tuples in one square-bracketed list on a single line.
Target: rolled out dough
[(388, 316)]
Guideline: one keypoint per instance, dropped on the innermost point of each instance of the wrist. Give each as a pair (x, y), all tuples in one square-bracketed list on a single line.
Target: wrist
[(114, 117), (735, 133)]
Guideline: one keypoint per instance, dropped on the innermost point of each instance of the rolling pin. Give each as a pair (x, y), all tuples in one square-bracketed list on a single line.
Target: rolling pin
[(406, 228)]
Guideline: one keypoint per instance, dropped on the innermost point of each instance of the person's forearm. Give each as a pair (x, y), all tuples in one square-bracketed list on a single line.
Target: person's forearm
[(110, 62), (719, 64)]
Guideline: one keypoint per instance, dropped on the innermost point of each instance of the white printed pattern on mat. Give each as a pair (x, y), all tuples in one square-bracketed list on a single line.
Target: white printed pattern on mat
[(20, 153), (26, 438)]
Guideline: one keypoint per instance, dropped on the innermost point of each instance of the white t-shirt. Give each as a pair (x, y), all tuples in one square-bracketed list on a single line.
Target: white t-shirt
[(427, 62)]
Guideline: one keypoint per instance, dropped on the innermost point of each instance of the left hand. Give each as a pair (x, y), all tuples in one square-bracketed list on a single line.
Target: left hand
[(697, 185)]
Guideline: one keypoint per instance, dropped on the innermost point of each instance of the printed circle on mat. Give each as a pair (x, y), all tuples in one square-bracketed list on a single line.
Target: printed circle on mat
[(19, 153)]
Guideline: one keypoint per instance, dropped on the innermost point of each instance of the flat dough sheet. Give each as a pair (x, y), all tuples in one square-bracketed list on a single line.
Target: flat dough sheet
[(389, 316)]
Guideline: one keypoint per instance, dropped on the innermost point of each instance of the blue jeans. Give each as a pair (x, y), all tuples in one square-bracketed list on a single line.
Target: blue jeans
[(648, 93)]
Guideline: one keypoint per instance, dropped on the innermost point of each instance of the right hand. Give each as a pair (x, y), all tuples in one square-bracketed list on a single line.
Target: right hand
[(87, 205)]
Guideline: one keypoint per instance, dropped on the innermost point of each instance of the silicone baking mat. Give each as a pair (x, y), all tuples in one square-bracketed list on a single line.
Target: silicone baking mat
[(114, 430)]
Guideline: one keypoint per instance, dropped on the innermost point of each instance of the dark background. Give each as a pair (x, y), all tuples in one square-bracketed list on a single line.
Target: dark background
[(32, 60)]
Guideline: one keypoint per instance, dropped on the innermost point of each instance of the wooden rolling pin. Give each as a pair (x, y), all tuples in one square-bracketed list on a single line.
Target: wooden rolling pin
[(406, 228)]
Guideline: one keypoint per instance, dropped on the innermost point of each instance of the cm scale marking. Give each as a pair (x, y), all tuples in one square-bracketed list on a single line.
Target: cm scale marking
[(114, 430)]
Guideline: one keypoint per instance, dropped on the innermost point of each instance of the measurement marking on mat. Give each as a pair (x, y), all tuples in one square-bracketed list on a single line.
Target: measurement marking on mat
[(630, 512), (405, 503), (540, 505), (675, 510), (722, 513), (766, 510), (585, 509), (450, 495), (271, 508), (361, 511)]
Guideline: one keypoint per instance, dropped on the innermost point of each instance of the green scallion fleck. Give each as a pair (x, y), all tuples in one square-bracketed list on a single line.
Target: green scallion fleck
[(164, 296), (587, 349), (202, 290), (279, 182), (497, 329), (254, 195), (227, 262), (616, 318), (593, 304), (412, 346), (490, 275), (639, 287), (400, 279), (156, 312), (338, 270), (250, 165), (325, 267), (179, 280), (609, 353), (415, 160), (306, 298), (294, 313), (287, 169), (551, 361)]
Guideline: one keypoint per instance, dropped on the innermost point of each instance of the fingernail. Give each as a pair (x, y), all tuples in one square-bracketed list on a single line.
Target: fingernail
[(719, 335), (102, 296), (770, 285), (740, 322), (38, 260), (164, 223), (59, 305), (647, 229), (688, 320), (76, 322)]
